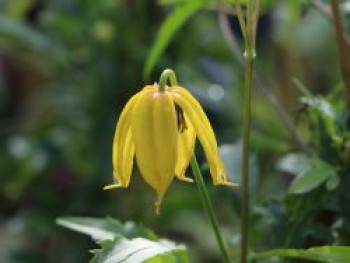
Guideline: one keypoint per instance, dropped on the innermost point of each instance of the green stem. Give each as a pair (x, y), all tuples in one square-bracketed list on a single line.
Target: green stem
[(245, 162), (342, 51), (163, 80), (169, 74), (249, 54), (208, 207)]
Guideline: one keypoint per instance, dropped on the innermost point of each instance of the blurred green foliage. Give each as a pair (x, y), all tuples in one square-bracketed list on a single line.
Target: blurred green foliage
[(68, 67)]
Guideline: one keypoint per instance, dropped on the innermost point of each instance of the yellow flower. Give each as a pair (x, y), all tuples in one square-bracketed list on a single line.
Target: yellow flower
[(160, 128)]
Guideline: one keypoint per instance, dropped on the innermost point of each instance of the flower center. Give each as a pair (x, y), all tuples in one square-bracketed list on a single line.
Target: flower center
[(181, 123)]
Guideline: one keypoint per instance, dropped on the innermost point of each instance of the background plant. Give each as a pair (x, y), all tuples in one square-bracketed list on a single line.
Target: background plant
[(67, 69)]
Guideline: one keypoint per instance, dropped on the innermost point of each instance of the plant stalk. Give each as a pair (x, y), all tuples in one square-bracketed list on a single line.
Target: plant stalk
[(342, 51), (251, 24), (261, 85), (245, 162), (208, 207), (169, 74)]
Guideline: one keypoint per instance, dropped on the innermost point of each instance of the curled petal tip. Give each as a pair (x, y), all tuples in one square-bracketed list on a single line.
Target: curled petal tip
[(223, 180), (113, 186), (227, 183), (158, 204), (230, 184), (185, 179)]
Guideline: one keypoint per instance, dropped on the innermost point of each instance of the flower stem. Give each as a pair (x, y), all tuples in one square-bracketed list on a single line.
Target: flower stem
[(167, 74), (208, 207), (342, 51), (249, 29), (245, 162)]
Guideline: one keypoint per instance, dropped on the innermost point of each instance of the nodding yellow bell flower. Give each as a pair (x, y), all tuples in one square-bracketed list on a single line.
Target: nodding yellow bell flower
[(160, 128)]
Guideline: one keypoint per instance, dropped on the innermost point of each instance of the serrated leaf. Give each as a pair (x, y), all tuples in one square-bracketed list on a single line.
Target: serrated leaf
[(327, 254), (318, 172), (172, 24), (105, 228), (140, 250)]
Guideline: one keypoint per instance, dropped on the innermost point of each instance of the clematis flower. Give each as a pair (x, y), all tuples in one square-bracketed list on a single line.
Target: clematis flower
[(160, 128)]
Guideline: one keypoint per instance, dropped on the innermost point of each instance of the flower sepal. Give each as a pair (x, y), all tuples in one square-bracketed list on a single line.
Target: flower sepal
[(159, 125)]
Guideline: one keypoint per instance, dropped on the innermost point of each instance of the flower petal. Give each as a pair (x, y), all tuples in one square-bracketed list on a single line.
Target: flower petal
[(123, 149), (154, 130), (186, 144), (204, 131), (124, 174)]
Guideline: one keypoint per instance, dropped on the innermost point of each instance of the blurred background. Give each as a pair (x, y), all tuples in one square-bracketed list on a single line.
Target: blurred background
[(67, 68)]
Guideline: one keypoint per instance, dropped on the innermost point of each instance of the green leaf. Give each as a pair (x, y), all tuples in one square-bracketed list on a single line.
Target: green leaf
[(170, 2), (18, 8), (106, 228), (320, 105), (139, 250), (29, 44), (294, 163), (314, 176), (302, 88), (328, 254), (172, 24), (332, 182)]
